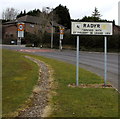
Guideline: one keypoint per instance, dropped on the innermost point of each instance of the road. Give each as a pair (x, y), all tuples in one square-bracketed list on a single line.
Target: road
[(91, 61)]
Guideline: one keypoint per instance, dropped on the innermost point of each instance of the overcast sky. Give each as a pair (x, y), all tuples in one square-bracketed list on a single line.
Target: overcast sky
[(77, 8)]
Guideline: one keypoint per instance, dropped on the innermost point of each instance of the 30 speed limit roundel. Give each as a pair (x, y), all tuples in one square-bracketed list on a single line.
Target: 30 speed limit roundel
[(20, 27)]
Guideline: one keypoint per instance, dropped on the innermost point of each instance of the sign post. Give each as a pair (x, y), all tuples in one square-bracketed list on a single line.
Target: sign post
[(61, 37), (92, 28), (77, 63), (20, 32), (105, 60)]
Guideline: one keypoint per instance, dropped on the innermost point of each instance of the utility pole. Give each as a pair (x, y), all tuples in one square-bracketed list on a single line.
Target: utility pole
[(52, 32), (119, 13), (51, 9)]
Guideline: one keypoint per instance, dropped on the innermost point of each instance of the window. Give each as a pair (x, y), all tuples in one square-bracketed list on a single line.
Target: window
[(11, 35), (32, 25), (7, 36)]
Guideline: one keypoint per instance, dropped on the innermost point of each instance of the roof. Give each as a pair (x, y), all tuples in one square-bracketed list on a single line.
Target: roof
[(29, 19), (25, 19), (117, 26)]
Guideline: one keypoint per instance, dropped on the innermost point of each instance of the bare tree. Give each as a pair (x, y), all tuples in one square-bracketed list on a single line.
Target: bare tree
[(45, 20), (9, 14)]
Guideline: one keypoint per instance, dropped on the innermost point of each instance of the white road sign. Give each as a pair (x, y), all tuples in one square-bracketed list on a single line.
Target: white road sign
[(91, 28), (61, 36), (20, 34)]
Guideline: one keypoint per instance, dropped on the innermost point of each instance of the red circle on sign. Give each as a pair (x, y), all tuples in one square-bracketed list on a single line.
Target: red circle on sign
[(20, 27)]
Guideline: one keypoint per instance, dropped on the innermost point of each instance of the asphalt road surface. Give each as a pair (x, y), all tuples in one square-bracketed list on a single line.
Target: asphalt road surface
[(92, 61)]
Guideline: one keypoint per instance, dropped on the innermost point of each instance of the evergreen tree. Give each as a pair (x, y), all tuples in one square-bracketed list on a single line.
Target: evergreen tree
[(34, 12), (24, 12), (94, 18), (31, 12), (64, 16), (20, 15), (96, 14)]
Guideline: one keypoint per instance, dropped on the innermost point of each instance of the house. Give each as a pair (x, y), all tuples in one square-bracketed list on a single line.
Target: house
[(33, 25), (9, 32), (116, 30)]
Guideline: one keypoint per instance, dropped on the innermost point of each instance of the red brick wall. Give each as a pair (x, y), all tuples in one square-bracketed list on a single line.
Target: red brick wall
[(10, 32), (32, 28)]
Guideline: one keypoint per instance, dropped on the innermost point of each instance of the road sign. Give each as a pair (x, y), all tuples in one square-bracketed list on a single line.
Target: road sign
[(62, 31), (20, 34), (20, 26), (61, 36), (21, 30), (92, 28)]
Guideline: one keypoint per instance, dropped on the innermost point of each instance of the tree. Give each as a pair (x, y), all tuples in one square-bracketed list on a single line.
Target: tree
[(44, 21), (20, 15), (64, 16), (34, 12), (94, 18), (9, 14), (87, 19), (96, 14), (24, 12)]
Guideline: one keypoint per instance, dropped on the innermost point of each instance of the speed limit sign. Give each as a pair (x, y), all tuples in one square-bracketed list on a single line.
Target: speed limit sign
[(20, 26)]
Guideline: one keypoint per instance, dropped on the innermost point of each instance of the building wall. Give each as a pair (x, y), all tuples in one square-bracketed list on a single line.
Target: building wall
[(116, 30), (32, 28), (10, 32)]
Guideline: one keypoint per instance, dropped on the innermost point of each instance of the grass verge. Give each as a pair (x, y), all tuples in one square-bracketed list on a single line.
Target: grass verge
[(80, 102), (75, 102), (19, 75)]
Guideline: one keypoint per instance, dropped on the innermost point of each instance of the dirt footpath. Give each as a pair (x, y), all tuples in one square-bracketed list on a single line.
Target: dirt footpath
[(40, 98)]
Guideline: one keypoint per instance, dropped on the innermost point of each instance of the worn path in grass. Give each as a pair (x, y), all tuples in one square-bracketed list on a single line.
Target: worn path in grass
[(41, 93), (23, 94)]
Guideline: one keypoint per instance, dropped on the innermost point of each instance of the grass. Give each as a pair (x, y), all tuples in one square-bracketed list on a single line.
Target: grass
[(77, 102), (80, 102), (19, 75)]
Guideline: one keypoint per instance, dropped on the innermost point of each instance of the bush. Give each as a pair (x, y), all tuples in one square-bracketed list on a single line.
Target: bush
[(29, 45), (95, 43), (32, 38)]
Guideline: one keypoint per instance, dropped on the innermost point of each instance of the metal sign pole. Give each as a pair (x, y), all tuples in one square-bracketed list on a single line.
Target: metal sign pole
[(60, 46), (77, 62), (105, 60)]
